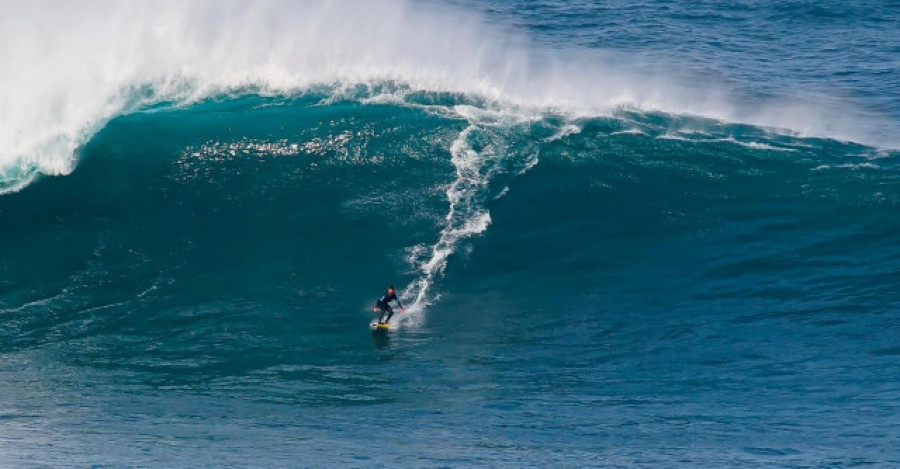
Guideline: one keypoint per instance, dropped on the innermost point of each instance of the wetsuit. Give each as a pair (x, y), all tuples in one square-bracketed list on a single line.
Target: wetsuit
[(385, 304)]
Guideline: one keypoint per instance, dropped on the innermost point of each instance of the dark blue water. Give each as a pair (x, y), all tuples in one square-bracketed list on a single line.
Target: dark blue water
[(635, 288)]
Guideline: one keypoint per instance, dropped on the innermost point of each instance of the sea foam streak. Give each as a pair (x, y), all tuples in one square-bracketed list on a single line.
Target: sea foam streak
[(481, 152), (465, 218), (70, 67)]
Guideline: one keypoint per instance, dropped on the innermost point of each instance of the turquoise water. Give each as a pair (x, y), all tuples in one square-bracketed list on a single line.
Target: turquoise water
[(689, 261)]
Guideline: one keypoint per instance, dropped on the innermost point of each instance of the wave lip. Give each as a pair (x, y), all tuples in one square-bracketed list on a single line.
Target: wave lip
[(72, 67)]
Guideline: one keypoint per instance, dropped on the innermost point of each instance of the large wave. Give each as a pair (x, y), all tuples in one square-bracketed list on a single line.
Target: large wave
[(70, 67)]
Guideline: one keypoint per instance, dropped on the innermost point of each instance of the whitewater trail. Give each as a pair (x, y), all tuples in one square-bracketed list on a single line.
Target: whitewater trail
[(465, 218), (480, 152)]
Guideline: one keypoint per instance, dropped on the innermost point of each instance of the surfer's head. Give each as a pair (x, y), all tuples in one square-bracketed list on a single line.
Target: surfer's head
[(391, 290)]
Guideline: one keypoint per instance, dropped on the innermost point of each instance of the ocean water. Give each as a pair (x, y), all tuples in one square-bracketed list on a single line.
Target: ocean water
[(628, 234)]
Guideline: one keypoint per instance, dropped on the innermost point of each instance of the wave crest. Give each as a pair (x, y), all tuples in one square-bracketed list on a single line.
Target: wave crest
[(70, 67)]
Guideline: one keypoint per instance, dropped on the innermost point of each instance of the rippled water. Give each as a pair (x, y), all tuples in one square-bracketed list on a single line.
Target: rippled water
[(662, 282)]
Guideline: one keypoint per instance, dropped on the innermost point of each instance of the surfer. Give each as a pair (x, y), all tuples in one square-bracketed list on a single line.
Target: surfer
[(384, 304)]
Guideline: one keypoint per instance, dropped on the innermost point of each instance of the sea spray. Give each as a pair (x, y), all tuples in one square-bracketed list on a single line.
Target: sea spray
[(69, 68)]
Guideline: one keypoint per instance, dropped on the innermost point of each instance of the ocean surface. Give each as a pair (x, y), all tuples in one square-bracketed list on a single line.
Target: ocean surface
[(628, 234)]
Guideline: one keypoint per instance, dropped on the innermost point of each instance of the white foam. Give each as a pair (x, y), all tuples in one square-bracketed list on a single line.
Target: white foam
[(465, 218), (850, 166), (563, 132), (629, 132), (749, 144), (16, 178), (758, 145), (69, 67)]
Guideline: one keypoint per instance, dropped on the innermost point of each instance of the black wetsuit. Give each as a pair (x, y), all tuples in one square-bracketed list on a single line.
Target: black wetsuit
[(385, 304)]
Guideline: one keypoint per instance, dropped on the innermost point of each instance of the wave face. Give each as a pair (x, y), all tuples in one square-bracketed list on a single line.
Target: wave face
[(604, 263)]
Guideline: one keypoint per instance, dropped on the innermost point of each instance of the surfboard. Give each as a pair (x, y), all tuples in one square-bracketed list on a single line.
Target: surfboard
[(375, 327)]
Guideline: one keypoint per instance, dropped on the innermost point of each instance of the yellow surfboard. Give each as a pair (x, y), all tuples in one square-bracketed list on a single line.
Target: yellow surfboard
[(374, 326)]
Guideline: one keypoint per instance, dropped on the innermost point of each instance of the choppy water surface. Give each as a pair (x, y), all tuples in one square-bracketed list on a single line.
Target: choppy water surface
[(629, 235)]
